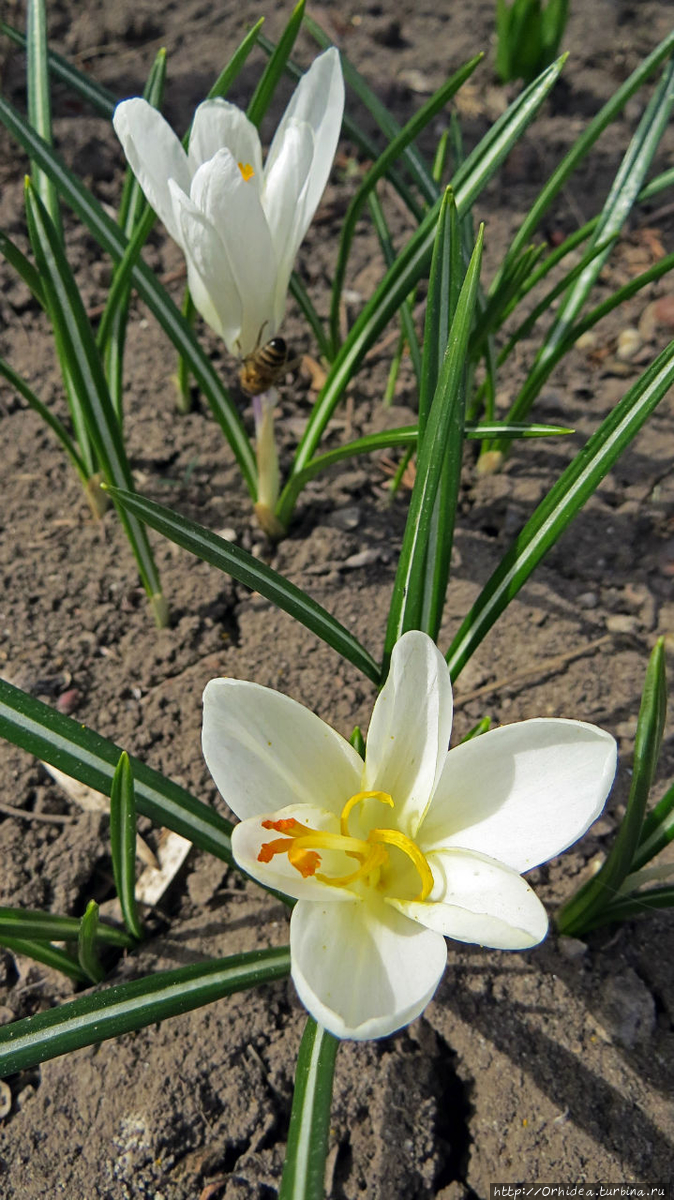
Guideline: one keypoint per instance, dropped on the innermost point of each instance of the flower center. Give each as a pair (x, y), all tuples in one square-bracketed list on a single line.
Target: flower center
[(246, 170), (301, 843)]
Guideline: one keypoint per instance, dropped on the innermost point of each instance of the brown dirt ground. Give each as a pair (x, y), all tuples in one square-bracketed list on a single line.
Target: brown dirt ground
[(551, 1066)]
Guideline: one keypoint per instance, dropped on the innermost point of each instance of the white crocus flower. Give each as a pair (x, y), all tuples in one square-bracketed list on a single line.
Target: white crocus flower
[(389, 856), (238, 224)]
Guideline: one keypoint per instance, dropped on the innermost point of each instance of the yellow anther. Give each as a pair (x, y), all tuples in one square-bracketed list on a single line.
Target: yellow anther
[(359, 797), (246, 170), (393, 837), (302, 843)]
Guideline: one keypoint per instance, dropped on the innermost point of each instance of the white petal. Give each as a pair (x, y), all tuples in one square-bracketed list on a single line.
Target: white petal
[(362, 969), (479, 900), (249, 836), (409, 731), (155, 156), (318, 100), (233, 206), (209, 274), (266, 751), (522, 793), (220, 125), (284, 203)]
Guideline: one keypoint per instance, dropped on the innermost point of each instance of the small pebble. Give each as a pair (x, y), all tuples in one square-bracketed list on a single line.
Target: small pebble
[(5, 1099), (588, 600), (630, 342), (622, 623)]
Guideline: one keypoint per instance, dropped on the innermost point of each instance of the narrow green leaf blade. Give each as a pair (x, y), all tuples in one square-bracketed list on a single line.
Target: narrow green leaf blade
[(601, 889), (50, 419), (44, 926), (584, 143), (276, 66), (44, 952), (254, 574), (304, 1166), (657, 830), (92, 759), (129, 1006), (39, 103), (86, 944), (406, 602), (78, 351), (123, 842), (565, 499)]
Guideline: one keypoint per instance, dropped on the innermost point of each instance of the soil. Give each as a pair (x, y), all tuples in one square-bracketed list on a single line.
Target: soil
[(548, 1067)]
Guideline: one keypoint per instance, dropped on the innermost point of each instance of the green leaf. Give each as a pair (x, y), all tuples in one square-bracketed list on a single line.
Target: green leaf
[(45, 953), (276, 66), (86, 944), (39, 104), (378, 169), (657, 830), (123, 842), (113, 241), (406, 315), (626, 908), (601, 889), (92, 759), (576, 484), (583, 145), (444, 291), (47, 415), (100, 99), (406, 603), (79, 357), (304, 1166), (23, 266), (128, 1006), (482, 726), (42, 926), (411, 265), (254, 574), (624, 191)]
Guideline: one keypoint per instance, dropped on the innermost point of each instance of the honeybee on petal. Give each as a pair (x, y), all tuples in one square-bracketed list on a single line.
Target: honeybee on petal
[(263, 366)]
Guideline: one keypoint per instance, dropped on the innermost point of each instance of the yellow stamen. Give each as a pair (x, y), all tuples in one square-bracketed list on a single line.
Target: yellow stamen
[(358, 799), (301, 844), (394, 838), (246, 170)]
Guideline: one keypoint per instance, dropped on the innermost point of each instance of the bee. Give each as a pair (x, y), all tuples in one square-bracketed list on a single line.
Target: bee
[(263, 366)]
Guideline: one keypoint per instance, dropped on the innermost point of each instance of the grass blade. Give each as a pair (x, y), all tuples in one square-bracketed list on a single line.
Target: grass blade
[(128, 1006), (86, 944), (304, 1166), (584, 143), (100, 99), (41, 926), (44, 952), (592, 898), (566, 498), (48, 417), (254, 574), (407, 599), (657, 830), (406, 315), (123, 842), (23, 267), (39, 105), (413, 262), (443, 297), (262, 96), (78, 352), (92, 759), (378, 169)]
